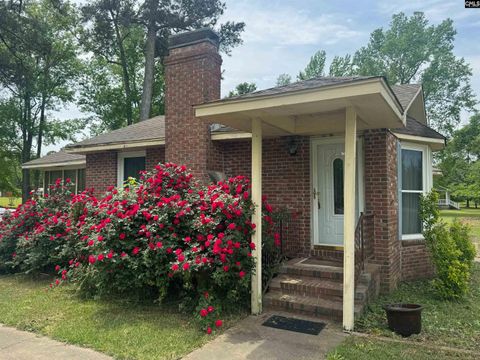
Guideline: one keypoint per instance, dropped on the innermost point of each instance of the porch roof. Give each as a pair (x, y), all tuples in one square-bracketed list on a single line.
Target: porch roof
[(310, 107)]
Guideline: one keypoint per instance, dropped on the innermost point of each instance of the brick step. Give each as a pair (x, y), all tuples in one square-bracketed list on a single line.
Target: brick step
[(315, 306), (309, 286), (320, 270)]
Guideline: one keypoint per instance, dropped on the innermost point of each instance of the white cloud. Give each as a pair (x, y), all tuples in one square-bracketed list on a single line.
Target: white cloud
[(289, 25)]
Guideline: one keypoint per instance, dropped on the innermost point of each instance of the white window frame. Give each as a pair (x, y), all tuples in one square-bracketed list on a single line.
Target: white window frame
[(121, 156), (427, 180), (77, 169)]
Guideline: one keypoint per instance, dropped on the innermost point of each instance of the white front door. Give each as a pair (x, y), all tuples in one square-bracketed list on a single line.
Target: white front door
[(329, 196), (327, 202)]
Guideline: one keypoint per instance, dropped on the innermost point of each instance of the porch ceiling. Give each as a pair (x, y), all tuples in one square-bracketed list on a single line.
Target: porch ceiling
[(310, 112)]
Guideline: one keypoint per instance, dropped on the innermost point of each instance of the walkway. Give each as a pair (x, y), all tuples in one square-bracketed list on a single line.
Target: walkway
[(250, 340), (22, 345)]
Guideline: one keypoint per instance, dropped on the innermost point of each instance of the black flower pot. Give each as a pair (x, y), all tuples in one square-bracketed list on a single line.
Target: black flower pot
[(404, 319)]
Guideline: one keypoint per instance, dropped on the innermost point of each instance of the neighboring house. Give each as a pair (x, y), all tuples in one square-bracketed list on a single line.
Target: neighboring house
[(444, 201), (348, 156), (60, 165)]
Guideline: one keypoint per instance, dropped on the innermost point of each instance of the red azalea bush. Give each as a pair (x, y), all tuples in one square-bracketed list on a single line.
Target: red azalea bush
[(165, 234)]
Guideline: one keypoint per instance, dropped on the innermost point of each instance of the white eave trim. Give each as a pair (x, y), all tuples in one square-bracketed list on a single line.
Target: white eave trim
[(330, 92), (118, 146), (231, 136), (80, 163), (419, 139)]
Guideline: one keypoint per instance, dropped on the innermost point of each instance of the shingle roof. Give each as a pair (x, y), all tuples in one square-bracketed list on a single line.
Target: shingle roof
[(55, 158), (318, 82), (416, 128), (150, 129), (405, 93)]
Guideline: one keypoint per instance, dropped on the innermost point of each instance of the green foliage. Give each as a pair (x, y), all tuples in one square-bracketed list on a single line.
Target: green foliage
[(243, 88), (284, 79), (413, 51), (315, 67), (451, 250)]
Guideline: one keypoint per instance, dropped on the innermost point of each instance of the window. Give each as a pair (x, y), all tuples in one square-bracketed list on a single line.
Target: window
[(338, 186), (415, 181), (129, 165), (77, 177)]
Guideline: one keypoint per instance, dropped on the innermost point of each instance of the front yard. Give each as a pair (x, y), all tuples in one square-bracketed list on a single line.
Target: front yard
[(117, 328), (450, 330)]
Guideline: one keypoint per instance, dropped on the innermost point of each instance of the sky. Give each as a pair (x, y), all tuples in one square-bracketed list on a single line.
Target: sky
[(281, 36)]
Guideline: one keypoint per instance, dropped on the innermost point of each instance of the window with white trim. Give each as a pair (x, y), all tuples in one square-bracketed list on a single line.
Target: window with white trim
[(414, 180), (76, 177), (130, 164)]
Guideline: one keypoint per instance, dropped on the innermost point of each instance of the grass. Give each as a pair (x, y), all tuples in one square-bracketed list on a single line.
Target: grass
[(117, 328), (451, 324), (469, 216), (360, 348), (6, 202)]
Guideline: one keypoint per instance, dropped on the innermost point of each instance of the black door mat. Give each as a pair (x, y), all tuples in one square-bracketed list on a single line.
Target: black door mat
[(292, 324)]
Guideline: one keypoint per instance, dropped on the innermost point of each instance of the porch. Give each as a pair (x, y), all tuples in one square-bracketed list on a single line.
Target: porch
[(333, 111)]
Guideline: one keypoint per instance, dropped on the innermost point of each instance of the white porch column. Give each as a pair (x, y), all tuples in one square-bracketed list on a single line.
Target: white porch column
[(349, 219), (257, 216)]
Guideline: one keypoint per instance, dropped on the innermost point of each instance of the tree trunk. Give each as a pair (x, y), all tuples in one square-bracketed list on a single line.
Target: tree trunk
[(149, 71), (27, 147), (41, 126), (468, 203), (126, 77)]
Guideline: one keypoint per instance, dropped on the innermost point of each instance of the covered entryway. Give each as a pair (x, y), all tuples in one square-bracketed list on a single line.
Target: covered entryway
[(318, 107)]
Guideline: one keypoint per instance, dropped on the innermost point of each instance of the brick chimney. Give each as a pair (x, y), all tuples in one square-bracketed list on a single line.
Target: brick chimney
[(192, 76)]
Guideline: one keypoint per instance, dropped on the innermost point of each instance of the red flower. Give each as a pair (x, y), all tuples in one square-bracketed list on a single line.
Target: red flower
[(90, 243), (209, 330), (110, 255), (231, 226), (91, 259), (135, 250), (57, 268), (175, 267), (252, 246), (186, 266), (159, 244), (100, 257), (205, 295), (218, 323), (203, 313), (225, 268), (100, 238), (241, 274), (181, 257), (123, 254), (122, 236), (210, 309)]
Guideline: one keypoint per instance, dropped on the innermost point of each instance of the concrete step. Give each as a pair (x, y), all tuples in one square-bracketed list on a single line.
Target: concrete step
[(315, 306)]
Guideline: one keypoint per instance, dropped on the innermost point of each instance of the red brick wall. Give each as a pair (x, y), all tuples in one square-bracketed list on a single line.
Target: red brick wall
[(286, 182), (192, 76), (154, 156), (416, 263), (101, 171), (381, 198)]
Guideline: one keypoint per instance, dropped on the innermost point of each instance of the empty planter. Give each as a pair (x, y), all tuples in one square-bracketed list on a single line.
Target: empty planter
[(404, 319)]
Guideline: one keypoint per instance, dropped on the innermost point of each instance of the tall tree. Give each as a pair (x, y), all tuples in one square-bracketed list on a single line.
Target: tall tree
[(38, 63), (243, 88), (162, 18), (413, 51), (315, 67), (109, 29)]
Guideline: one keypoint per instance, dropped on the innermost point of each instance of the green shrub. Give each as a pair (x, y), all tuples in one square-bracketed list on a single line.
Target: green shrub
[(451, 249)]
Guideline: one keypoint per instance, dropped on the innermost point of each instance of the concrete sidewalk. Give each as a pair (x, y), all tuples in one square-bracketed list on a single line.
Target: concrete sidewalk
[(22, 345), (250, 340)]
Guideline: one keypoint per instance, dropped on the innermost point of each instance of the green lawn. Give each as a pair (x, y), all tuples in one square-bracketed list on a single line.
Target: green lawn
[(5, 202), (123, 330)]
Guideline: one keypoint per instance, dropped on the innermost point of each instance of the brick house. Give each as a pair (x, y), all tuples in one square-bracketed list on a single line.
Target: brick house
[(349, 157)]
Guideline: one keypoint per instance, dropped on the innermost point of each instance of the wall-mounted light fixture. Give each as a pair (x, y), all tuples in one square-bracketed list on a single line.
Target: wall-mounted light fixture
[(292, 145)]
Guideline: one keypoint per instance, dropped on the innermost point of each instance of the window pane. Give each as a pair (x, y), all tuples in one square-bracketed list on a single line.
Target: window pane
[(70, 174), (81, 180), (54, 175), (132, 166), (338, 186), (412, 178), (411, 223)]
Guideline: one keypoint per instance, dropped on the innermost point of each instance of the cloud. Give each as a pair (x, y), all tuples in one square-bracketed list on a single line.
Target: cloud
[(435, 10), (286, 25)]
